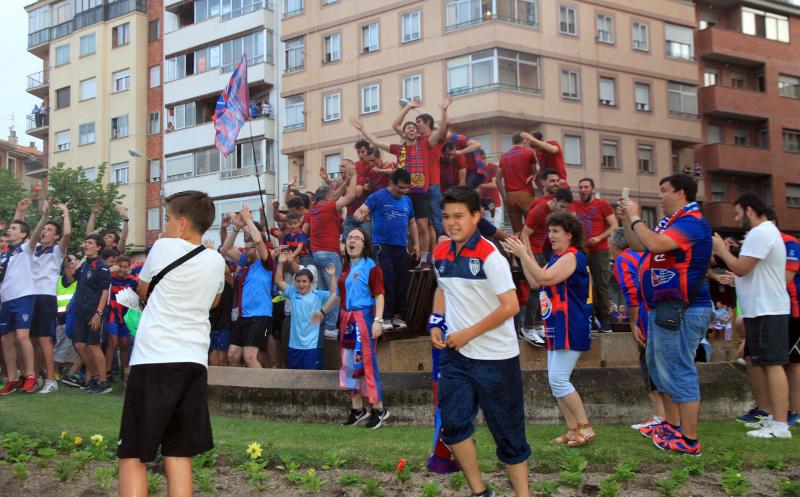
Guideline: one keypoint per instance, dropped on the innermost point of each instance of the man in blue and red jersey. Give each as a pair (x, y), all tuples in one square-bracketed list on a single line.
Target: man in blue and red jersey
[(626, 272), (673, 286), (117, 333)]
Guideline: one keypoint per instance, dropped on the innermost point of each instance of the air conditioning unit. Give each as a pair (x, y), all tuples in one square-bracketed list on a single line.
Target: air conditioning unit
[(62, 146)]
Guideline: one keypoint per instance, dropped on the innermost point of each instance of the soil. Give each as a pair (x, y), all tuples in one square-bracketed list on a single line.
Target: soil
[(231, 482)]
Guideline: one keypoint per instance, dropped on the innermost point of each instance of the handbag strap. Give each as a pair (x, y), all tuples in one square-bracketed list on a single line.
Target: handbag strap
[(177, 262), (696, 289)]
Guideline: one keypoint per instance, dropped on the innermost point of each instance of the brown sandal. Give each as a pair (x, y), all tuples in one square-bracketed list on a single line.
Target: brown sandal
[(565, 439), (580, 439)]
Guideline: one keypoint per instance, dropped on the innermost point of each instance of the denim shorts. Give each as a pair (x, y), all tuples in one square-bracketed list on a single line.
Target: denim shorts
[(670, 354), (496, 387)]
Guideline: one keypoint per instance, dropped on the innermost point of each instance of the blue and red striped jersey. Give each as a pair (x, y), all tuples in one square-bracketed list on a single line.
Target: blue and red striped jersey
[(626, 272), (566, 308), (793, 264)]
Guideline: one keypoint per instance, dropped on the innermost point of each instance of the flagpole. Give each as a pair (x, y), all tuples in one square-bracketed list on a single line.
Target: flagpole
[(258, 174)]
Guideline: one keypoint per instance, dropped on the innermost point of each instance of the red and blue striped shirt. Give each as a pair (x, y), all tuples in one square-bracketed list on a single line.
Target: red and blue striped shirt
[(566, 309)]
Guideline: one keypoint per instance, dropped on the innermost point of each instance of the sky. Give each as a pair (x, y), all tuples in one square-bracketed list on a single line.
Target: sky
[(17, 64)]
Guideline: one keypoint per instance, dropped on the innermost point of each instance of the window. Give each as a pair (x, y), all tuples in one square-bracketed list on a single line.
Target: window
[(332, 163), (792, 195), (791, 140), (62, 140), (710, 76), (11, 165), (154, 218), (154, 123), (84, 5), (515, 71), (62, 98), (763, 138), (412, 88), (332, 110), (411, 26), (738, 80), (120, 35), (680, 42), (88, 45), (184, 115), (295, 112), (649, 216), (208, 161), (719, 191), (119, 127), (155, 170), (370, 99), (90, 173), (765, 25), (294, 54), (369, 38), (573, 155), (682, 99), (333, 48), (62, 12), (645, 158), (293, 7), (154, 30), (610, 150), (119, 173), (605, 28), (88, 88), (122, 81), (788, 86), (62, 55), (641, 36), (715, 134), (642, 97), (155, 76), (180, 166), (607, 93), (460, 13), (568, 20), (570, 84), (741, 137), (39, 19)]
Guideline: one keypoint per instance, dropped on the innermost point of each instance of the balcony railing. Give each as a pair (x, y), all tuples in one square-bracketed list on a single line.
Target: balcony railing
[(122, 7), (33, 166), (493, 86), (86, 18), (290, 127), (38, 37), (531, 21), (266, 4), (62, 30), (38, 79), (36, 121), (236, 173), (89, 17)]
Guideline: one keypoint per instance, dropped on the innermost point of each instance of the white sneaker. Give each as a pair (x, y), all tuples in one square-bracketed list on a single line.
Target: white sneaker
[(532, 336), (770, 431), (399, 323), (761, 423), (49, 386), (650, 422), (331, 333)]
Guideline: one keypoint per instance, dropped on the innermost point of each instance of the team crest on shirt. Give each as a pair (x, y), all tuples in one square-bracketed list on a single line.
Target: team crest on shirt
[(545, 304), (474, 266), (25, 317), (661, 276)]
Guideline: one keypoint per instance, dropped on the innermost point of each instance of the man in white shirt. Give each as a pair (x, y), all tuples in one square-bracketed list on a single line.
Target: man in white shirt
[(761, 288)]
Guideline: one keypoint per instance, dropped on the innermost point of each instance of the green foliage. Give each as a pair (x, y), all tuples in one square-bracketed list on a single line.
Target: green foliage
[(668, 487), (574, 462), (571, 479), (350, 480), (431, 489), (154, 482), (105, 476), (457, 480), (625, 472), (207, 459), (18, 446), (694, 466), (734, 482), (20, 470), (372, 486), (203, 479), (309, 480), (255, 474), (775, 463), (404, 476), (11, 192), (82, 457), (333, 460), (610, 486), (66, 469), (546, 488), (788, 488), (45, 455), (680, 475), (731, 460)]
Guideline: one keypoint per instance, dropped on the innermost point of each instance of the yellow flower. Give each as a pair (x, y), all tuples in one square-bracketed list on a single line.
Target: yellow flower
[(312, 472), (254, 450), (97, 439), (78, 440), (64, 433)]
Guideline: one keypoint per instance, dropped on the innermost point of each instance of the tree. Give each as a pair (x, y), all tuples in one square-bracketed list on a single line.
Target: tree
[(11, 192), (70, 186)]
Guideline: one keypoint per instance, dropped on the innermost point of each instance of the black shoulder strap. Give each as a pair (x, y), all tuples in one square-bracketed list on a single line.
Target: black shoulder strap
[(173, 265), (697, 286)]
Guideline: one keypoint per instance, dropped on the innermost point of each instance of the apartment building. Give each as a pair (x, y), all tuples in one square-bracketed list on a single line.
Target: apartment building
[(93, 90), (614, 82), (23, 162), (204, 41), (153, 156), (750, 106)]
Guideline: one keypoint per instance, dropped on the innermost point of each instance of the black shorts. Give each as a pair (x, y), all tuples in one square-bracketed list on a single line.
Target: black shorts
[(165, 405), (767, 341), (251, 332), (278, 315), (45, 316), (644, 372), (420, 203), (83, 333), (794, 340)]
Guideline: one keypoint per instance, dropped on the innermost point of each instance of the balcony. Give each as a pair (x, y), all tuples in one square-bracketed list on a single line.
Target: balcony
[(39, 83), (720, 216), (505, 11), (731, 103), (89, 17), (190, 36), (202, 135), (734, 159), (736, 48), (122, 7), (35, 168), (38, 38), (37, 127)]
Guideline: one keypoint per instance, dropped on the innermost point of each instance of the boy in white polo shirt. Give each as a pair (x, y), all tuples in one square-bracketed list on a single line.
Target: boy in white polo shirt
[(166, 401)]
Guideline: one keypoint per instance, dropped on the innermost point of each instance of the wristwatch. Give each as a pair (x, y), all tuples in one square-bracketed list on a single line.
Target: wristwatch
[(379, 320), (99, 313)]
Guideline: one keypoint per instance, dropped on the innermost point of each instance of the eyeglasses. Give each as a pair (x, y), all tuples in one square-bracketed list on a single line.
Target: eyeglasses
[(351, 238)]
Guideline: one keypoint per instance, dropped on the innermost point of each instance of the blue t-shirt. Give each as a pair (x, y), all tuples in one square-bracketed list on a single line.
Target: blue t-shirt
[(304, 333), (257, 290), (93, 277), (566, 309), (390, 217)]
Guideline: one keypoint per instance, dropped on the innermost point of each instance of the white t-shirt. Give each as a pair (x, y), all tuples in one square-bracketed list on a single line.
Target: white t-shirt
[(46, 270), (471, 286), (18, 281), (762, 292), (174, 326)]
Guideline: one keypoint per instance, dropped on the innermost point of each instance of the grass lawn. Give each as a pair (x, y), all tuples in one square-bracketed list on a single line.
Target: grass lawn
[(80, 413)]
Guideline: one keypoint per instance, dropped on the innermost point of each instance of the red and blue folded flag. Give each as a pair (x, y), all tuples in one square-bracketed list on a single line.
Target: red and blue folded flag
[(233, 109)]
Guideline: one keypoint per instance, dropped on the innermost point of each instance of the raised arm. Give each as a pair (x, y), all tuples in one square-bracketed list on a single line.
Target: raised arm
[(22, 206), (558, 272), (123, 237), (648, 239), (91, 225), (66, 229), (362, 213), (37, 232), (539, 144), (350, 192), (227, 249), (397, 124), (440, 133), (283, 258), (359, 125), (333, 299), (255, 234), (740, 266), (223, 228)]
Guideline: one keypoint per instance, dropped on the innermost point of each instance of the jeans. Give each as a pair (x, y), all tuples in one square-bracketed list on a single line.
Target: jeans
[(321, 259), (434, 197), (393, 261), (670, 354), (350, 223), (560, 364), (598, 265)]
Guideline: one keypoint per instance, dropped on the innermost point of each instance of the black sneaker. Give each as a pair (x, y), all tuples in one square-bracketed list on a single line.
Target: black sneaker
[(102, 387), (376, 418), (73, 380), (486, 493), (356, 417), (605, 327), (93, 381)]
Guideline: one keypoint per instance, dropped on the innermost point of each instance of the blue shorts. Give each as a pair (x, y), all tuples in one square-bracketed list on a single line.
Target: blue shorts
[(69, 321), (496, 387), (117, 329), (304, 359), (17, 314), (670, 354), (220, 340)]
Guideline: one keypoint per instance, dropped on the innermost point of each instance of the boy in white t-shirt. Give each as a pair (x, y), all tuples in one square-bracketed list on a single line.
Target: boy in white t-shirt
[(166, 401)]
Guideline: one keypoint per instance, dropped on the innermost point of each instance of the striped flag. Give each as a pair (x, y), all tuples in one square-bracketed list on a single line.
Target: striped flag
[(233, 109)]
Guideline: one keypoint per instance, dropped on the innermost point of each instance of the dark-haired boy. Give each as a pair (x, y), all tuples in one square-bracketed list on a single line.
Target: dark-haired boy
[(166, 400), (473, 322)]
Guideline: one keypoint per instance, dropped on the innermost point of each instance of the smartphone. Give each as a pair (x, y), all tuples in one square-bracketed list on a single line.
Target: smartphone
[(626, 192)]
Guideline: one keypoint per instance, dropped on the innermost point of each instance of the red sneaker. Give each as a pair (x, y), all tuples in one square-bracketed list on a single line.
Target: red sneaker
[(678, 444), (10, 387), (662, 429), (29, 386)]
